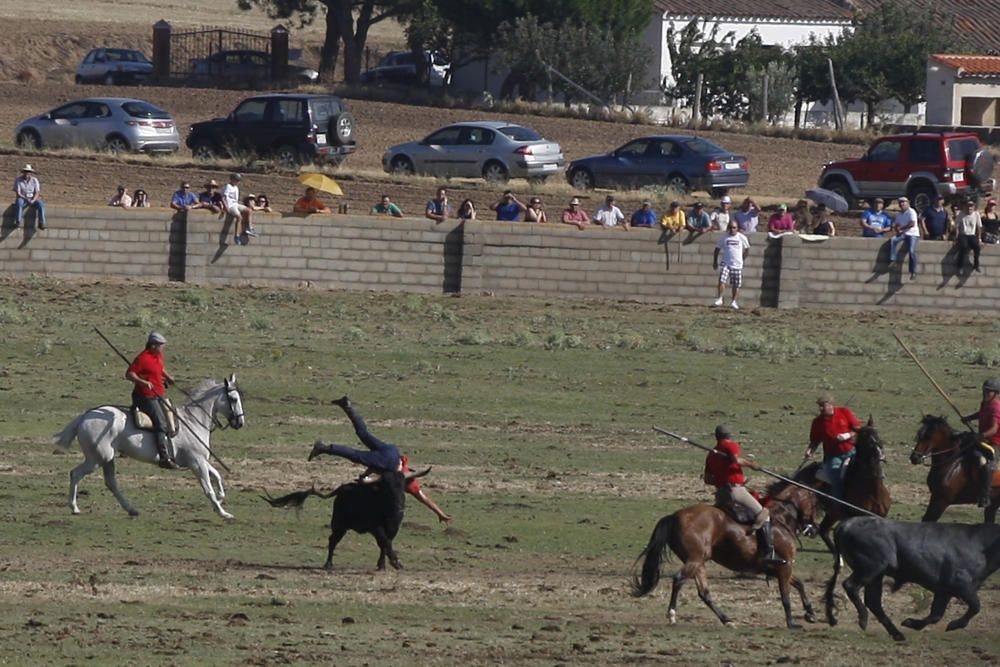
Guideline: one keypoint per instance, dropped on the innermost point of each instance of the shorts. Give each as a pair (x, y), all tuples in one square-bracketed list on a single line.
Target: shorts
[(730, 276), (237, 210)]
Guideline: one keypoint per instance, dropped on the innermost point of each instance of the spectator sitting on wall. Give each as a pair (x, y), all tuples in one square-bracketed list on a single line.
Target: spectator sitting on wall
[(969, 235), (437, 208), (27, 194), (310, 203), (610, 215), (575, 215), (242, 215), (722, 215), (803, 217), (386, 207), (467, 210), (263, 204), (991, 223), (747, 216), (535, 211), (644, 216), (184, 199), (253, 202), (698, 221), (674, 219), (121, 198), (141, 199), (210, 199), (936, 221), (824, 225), (781, 221), (875, 222), (508, 209)]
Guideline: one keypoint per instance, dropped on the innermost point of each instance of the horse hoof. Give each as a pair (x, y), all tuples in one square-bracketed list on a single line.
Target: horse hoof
[(810, 617), (227, 516), (74, 510), (899, 637), (671, 617), (912, 623), (794, 626), (729, 624), (133, 512)]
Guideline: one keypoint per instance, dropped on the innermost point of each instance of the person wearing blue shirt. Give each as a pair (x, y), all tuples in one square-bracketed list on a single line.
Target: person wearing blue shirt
[(184, 199), (934, 221), (645, 216), (508, 208), (698, 220), (875, 222)]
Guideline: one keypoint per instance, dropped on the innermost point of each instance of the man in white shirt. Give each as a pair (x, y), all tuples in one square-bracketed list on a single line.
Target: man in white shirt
[(242, 215), (27, 192), (969, 234), (908, 232), (121, 198), (610, 215), (723, 214), (734, 248)]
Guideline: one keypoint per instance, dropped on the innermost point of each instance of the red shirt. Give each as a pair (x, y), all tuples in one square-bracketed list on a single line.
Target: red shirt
[(825, 429), (989, 414), (412, 485), (723, 469), (148, 365)]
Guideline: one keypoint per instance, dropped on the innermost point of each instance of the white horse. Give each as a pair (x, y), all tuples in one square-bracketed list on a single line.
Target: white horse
[(107, 430)]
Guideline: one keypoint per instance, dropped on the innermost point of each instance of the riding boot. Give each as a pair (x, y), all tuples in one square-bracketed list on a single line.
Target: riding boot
[(766, 540), (164, 460), (987, 483)]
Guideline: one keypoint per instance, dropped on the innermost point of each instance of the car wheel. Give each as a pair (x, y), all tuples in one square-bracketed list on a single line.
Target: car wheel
[(494, 172), (117, 144), (341, 129), (287, 156), (109, 79), (678, 184), (581, 179), (401, 164), (921, 196), (203, 150), (29, 139), (840, 187)]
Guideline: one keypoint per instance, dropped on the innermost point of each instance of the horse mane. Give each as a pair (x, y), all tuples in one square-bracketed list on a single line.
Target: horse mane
[(776, 487), (201, 389)]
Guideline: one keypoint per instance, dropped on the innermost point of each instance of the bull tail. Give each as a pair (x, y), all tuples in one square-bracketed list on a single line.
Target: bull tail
[(66, 437), (296, 499), (655, 552), (831, 585)]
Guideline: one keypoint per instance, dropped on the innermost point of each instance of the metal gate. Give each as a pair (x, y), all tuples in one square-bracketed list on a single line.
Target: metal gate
[(197, 45)]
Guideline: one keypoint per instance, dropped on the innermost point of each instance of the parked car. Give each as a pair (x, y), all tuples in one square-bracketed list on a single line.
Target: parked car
[(493, 150), (400, 67), (118, 124), (920, 166), (246, 66), (114, 67), (680, 162), (291, 128)]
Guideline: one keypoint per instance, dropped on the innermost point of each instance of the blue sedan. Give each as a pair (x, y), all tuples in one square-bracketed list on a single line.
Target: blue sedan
[(680, 162)]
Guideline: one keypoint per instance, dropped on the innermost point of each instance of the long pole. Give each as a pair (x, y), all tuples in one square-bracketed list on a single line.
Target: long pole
[(923, 370), (160, 399), (788, 480)]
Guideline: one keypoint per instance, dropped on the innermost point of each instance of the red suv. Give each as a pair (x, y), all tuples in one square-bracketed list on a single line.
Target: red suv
[(920, 166)]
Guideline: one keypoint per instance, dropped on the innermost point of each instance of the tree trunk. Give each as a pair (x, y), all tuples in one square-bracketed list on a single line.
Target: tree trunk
[(353, 35), (331, 46), (798, 113)]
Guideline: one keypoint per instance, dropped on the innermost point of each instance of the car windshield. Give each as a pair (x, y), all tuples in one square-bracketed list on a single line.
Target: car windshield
[(701, 147), (125, 55), (140, 109), (518, 133), (323, 110)]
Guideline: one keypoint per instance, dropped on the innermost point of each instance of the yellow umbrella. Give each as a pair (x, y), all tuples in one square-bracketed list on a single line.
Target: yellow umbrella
[(321, 182)]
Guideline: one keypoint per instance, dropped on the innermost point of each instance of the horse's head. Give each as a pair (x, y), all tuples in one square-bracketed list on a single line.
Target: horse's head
[(934, 435), (867, 444), (793, 504), (232, 406)]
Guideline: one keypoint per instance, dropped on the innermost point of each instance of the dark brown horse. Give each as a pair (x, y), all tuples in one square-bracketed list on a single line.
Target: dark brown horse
[(956, 474), (700, 533), (864, 484)]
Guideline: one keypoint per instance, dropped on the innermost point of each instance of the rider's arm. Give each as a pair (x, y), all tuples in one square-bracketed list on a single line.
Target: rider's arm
[(132, 377)]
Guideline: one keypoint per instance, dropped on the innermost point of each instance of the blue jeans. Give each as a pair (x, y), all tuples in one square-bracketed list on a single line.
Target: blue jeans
[(381, 455), (20, 204), (834, 467), (911, 249)]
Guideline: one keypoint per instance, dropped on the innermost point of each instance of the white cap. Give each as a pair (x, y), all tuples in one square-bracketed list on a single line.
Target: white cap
[(726, 200), (157, 338)]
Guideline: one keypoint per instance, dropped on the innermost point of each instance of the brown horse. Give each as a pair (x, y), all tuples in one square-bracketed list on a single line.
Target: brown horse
[(864, 484), (956, 474), (699, 533)]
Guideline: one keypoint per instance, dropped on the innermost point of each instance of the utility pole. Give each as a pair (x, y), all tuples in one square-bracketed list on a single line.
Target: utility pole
[(696, 113)]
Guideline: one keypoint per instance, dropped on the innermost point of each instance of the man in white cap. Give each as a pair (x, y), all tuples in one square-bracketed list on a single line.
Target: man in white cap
[(722, 215), (149, 376), (27, 192)]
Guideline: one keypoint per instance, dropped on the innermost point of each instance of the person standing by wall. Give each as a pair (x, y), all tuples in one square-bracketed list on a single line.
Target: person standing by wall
[(908, 232), (734, 248)]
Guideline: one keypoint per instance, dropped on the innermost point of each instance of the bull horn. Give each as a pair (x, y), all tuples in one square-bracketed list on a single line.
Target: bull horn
[(871, 420), (417, 474)]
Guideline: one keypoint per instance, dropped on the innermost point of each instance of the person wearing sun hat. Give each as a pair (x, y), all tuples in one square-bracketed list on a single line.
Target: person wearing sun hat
[(575, 215), (27, 194)]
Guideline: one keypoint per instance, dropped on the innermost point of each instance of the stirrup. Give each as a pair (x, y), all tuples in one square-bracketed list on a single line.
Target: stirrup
[(774, 559)]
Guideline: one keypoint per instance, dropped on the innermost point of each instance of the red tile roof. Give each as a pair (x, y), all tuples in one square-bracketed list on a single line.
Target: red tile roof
[(971, 65), (764, 9), (976, 21)]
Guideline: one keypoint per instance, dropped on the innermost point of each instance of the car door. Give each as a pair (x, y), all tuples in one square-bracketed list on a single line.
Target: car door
[(879, 173), (624, 167), (95, 125), (435, 154), (59, 129), (249, 127), (662, 158), (474, 149), (287, 121)]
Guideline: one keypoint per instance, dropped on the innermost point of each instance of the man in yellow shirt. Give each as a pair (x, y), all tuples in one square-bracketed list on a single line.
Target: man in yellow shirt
[(674, 219)]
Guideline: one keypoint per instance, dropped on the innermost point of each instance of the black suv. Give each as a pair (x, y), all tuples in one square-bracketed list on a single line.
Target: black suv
[(290, 128)]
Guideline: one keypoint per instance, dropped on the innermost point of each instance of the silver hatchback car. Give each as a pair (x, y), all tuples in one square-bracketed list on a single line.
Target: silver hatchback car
[(116, 124), (494, 150)]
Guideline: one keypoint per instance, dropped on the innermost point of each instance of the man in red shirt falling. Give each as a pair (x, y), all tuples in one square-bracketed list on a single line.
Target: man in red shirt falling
[(989, 434), (835, 428), (148, 374), (724, 471)]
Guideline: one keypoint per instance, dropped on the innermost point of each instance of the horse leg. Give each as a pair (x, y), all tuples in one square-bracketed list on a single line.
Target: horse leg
[(938, 607), (810, 614), (217, 479), (935, 508), (784, 579), (873, 600), (966, 592), (76, 475), (824, 531), (111, 481), (675, 591), (851, 586), (337, 533), (990, 513), (200, 468), (701, 581)]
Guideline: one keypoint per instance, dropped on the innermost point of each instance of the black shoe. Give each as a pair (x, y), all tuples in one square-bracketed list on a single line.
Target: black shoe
[(17, 223), (343, 402), (41, 225), (318, 448), (976, 268), (167, 463)]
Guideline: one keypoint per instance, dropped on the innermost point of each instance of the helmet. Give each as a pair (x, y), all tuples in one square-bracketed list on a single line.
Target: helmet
[(156, 337), (992, 384), (722, 432)]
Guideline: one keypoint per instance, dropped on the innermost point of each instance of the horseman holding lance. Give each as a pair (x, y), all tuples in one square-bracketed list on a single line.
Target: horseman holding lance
[(724, 471), (834, 427), (149, 377), (989, 434)]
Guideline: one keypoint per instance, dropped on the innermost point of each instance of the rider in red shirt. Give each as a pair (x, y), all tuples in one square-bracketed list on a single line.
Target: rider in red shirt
[(835, 428), (724, 471), (989, 434), (147, 373)]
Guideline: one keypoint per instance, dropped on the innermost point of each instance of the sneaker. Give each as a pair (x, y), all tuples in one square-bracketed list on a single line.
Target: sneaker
[(718, 302), (913, 276), (976, 268), (41, 225), (734, 306), (318, 448), (17, 223), (237, 241), (244, 239), (251, 232)]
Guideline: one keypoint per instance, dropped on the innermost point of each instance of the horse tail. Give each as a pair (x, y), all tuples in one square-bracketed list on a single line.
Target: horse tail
[(831, 585), (66, 437), (654, 553)]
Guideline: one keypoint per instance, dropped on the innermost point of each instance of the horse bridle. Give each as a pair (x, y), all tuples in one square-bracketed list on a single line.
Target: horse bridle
[(234, 416)]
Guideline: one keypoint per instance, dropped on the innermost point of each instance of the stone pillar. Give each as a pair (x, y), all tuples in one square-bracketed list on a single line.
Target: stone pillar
[(161, 51), (279, 53)]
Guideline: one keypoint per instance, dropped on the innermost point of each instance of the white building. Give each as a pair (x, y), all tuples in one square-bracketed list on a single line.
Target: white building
[(963, 90)]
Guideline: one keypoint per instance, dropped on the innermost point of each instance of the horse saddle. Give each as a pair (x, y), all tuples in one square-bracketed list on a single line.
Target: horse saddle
[(144, 422), (739, 513), (822, 476)]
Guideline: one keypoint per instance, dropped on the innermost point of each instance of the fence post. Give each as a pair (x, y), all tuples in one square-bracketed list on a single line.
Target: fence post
[(279, 53), (161, 50)]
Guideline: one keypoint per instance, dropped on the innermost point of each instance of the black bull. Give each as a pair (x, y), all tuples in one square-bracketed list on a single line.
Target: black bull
[(950, 560), (371, 505)]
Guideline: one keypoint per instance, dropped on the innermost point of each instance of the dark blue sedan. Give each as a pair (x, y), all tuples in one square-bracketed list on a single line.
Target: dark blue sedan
[(680, 162)]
